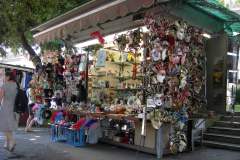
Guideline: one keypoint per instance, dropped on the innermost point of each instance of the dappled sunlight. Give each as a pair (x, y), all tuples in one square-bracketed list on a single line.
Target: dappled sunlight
[(32, 139)]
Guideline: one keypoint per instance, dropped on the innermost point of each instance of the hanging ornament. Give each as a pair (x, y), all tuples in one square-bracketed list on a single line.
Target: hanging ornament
[(98, 35)]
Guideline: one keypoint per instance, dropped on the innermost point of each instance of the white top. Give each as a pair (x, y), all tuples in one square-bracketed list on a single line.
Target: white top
[(29, 96)]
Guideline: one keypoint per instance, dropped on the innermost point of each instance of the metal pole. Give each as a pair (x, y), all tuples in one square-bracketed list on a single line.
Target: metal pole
[(236, 78), (86, 76)]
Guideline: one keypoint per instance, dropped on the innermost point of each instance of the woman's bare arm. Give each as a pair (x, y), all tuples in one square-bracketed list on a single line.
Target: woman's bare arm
[(1, 94)]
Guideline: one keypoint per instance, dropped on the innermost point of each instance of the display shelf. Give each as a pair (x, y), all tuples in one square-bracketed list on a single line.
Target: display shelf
[(101, 75), (124, 78), (129, 146), (138, 63), (117, 89), (116, 50), (128, 89), (95, 87), (108, 115), (86, 113), (122, 116), (122, 63)]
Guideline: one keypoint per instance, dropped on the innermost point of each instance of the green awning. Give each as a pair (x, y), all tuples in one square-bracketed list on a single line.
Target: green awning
[(215, 9)]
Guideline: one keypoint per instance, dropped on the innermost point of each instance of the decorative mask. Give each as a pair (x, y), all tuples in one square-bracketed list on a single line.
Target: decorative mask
[(158, 100), (161, 77), (179, 51), (156, 55), (175, 60), (181, 30)]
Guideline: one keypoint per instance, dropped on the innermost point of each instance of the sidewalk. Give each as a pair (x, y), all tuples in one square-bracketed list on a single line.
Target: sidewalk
[(37, 146)]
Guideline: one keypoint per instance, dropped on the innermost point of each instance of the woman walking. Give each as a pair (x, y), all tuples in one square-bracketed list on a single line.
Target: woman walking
[(8, 119), (30, 120)]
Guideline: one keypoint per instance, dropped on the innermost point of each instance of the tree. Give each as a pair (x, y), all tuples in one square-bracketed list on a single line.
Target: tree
[(18, 17)]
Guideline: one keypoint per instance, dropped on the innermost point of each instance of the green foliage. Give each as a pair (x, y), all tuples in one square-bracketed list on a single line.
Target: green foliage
[(55, 45), (238, 96), (18, 17)]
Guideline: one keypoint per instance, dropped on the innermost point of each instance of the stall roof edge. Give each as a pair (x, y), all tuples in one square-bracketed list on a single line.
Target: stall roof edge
[(4, 65), (92, 4), (52, 29), (216, 9)]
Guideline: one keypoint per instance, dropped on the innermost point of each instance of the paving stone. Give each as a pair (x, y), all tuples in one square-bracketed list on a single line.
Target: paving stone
[(37, 146)]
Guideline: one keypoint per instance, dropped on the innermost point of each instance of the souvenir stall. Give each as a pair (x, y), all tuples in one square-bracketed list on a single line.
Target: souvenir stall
[(171, 91), (23, 74), (23, 77), (58, 85), (141, 89)]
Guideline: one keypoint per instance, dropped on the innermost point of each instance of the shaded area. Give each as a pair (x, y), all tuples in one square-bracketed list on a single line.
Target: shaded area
[(36, 146)]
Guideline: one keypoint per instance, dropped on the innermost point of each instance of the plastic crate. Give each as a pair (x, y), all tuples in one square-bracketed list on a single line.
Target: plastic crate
[(58, 133), (76, 138)]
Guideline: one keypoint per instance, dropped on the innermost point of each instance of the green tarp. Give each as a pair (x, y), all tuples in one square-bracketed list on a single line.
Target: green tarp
[(213, 8)]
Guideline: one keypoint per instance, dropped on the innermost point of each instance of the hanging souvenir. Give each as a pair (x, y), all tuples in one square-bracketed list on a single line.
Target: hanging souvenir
[(101, 60), (158, 100), (83, 63), (161, 77), (134, 71), (181, 29), (156, 56), (98, 35), (122, 42), (135, 39), (150, 103), (176, 51)]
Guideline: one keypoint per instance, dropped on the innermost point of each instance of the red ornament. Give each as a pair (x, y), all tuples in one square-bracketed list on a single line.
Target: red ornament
[(98, 35), (171, 40), (134, 76)]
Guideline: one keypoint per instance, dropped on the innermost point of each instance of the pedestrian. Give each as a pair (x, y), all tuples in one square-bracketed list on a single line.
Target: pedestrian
[(8, 119), (30, 120)]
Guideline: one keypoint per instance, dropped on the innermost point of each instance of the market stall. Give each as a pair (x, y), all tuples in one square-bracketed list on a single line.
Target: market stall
[(140, 92), (139, 89)]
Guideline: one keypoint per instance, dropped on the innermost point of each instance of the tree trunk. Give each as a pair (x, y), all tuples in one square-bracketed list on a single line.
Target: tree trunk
[(33, 55)]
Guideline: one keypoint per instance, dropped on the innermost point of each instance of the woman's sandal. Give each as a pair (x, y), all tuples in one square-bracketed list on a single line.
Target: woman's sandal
[(5, 146), (12, 148)]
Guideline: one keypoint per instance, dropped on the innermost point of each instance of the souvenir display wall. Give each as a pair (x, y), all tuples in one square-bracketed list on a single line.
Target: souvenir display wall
[(162, 68), (60, 81), (58, 85), (174, 75), (112, 83), (173, 70)]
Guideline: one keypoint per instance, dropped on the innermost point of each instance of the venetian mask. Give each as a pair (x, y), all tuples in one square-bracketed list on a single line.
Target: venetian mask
[(158, 99), (183, 59), (179, 51), (156, 56), (183, 82), (161, 77), (180, 33), (176, 60), (181, 30)]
